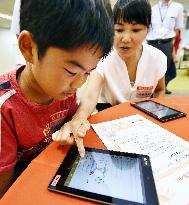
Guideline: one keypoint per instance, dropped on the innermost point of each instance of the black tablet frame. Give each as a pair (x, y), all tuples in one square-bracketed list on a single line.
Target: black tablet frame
[(57, 183), (162, 119)]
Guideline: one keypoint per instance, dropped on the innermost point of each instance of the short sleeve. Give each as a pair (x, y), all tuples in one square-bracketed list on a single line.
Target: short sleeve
[(179, 20), (162, 65), (101, 66), (8, 149)]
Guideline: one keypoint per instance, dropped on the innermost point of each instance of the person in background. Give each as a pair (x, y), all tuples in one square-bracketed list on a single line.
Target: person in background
[(133, 71), (15, 27), (62, 42), (167, 21)]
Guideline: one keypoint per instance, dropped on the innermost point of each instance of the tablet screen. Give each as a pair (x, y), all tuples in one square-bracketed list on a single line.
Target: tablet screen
[(106, 176), (157, 109), (110, 175)]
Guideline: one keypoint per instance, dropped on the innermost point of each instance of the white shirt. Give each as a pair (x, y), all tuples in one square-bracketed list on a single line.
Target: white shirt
[(166, 17), (117, 87), (15, 25)]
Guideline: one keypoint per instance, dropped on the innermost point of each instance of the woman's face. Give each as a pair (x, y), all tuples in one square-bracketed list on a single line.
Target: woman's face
[(129, 38)]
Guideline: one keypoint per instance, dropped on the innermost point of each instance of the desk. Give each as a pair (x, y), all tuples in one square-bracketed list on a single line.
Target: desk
[(31, 187)]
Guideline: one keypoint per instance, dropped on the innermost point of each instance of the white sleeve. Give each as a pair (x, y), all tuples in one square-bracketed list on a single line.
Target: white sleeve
[(100, 67), (15, 27), (162, 65), (180, 20)]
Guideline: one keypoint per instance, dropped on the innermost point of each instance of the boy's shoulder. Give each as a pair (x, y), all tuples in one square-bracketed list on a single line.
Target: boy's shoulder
[(5, 82), (8, 76), (7, 86)]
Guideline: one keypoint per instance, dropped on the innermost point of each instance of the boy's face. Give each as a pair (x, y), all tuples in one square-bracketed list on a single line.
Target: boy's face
[(59, 72)]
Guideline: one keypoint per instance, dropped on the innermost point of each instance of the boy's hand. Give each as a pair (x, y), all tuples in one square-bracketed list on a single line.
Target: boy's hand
[(73, 130)]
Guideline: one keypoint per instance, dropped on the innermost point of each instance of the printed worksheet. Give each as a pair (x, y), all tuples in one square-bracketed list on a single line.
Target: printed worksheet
[(136, 134), (173, 188)]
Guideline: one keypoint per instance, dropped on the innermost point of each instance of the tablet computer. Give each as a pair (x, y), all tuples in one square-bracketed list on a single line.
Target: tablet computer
[(161, 112), (106, 176)]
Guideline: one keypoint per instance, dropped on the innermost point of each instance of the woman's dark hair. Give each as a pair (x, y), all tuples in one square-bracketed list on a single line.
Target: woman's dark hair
[(68, 24), (132, 11)]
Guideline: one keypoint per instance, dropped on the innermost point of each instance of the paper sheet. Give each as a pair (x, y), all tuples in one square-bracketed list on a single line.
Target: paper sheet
[(173, 188), (136, 134)]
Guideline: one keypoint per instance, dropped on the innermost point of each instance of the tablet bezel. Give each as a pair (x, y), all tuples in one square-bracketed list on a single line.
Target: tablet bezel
[(57, 183), (161, 119)]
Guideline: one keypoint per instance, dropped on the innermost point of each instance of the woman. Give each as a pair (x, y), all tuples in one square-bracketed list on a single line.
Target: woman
[(133, 71)]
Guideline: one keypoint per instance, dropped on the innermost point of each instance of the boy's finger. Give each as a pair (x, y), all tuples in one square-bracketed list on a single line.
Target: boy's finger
[(63, 136), (66, 136), (80, 146), (54, 136), (68, 140)]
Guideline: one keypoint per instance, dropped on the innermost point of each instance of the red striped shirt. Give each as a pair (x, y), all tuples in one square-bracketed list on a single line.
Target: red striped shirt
[(27, 127)]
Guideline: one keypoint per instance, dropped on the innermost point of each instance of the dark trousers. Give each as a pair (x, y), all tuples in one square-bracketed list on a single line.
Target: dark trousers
[(167, 49), (171, 72)]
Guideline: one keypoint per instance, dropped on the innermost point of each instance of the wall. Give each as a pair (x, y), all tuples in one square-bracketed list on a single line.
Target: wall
[(184, 2), (10, 56)]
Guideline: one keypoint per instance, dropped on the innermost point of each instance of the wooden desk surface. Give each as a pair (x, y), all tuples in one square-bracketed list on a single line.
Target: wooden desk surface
[(31, 187)]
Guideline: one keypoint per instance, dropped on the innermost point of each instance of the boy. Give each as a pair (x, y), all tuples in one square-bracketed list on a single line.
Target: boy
[(127, 73), (62, 42)]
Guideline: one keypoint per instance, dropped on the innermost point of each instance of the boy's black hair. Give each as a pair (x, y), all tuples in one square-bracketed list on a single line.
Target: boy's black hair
[(132, 11), (68, 24)]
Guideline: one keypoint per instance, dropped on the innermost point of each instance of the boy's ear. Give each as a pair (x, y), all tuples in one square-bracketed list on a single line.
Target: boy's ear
[(27, 46)]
